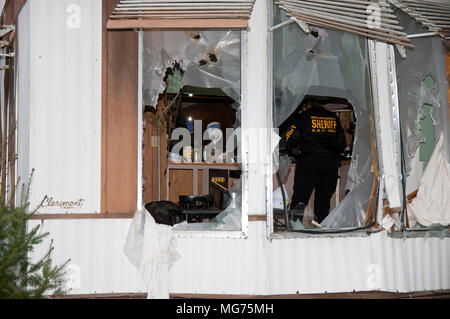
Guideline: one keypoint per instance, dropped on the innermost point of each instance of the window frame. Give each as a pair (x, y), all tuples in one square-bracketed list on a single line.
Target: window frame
[(236, 234), (269, 177)]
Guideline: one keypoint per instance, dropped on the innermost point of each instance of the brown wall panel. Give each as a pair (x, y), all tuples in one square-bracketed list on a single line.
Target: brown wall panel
[(200, 182), (9, 15), (152, 132), (210, 111), (181, 183), (11, 11), (119, 117)]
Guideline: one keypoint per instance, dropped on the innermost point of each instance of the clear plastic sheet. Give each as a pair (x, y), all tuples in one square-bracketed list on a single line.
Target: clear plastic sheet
[(427, 59), (333, 63), (209, 59), (229, 219)]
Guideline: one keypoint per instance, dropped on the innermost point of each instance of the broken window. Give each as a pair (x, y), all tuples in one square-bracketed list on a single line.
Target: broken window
[(423, 103), (192, 94), (333, 65)]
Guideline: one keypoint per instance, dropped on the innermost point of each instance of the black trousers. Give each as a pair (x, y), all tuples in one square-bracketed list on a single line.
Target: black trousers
[(319, 172)]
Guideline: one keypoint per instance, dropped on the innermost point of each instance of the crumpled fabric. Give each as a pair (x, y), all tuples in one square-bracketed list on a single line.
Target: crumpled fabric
[(432, 204), (151, 248)]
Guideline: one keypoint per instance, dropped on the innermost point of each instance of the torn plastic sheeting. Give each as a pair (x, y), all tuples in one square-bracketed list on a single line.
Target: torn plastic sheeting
[(428, 59), (210, 59), (151, 248), (228, 220), (296, 225), (332, 63), (353, 208), (282, 165), (432, 204)]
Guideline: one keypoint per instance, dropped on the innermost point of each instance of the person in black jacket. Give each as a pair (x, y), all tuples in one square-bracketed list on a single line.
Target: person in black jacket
[(318, 134)]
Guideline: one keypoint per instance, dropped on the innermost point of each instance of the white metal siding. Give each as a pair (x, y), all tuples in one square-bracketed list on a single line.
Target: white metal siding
[(311, 265), (95, 248), (254, 265), (64, 105), (23, 94)]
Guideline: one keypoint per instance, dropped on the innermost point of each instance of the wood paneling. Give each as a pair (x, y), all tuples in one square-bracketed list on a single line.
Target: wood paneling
[(200, 182), (181, 183), (11, 10), (210, 111), (10, 13), (119, 117), (177, 24), (154, 131), (257, 218), (346, 122)]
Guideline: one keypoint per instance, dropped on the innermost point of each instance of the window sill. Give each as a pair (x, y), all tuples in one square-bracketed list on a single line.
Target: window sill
[(214, 234), (425, 233), (295, 235)]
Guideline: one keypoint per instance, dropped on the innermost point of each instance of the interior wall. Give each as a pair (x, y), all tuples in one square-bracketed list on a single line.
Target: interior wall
[(119, 117), (154, 132), (211, 111)]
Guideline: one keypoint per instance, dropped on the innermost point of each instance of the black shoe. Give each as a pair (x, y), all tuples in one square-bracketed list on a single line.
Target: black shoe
[(297, 212)]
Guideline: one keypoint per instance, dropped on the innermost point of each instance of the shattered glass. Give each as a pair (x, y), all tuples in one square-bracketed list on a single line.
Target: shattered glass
[(209, 59), (421, 80), (328, 63)]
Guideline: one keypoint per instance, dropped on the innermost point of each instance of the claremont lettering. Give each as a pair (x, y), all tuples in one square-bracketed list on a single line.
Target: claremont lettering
[(50, 202)]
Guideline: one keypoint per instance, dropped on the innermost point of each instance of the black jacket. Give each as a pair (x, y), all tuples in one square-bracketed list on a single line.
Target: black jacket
[(316, 131)]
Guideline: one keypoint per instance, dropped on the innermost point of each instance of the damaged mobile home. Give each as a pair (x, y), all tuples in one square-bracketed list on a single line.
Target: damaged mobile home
[(129, 108)]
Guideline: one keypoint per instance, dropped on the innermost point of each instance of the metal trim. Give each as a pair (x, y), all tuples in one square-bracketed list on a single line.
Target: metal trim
[(353, 16), (175, 14)]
